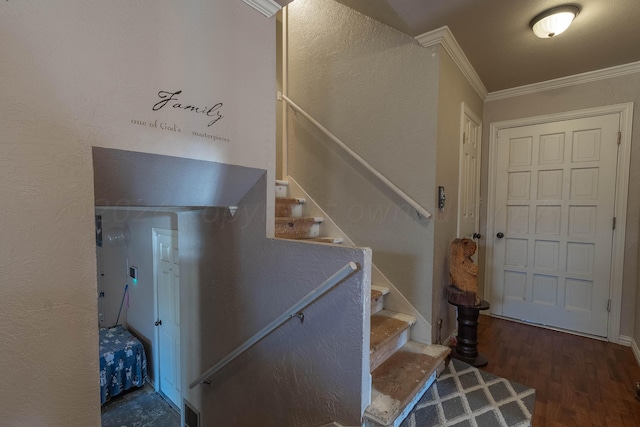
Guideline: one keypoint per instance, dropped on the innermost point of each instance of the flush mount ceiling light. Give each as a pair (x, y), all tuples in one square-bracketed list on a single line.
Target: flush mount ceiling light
[(554, 21)]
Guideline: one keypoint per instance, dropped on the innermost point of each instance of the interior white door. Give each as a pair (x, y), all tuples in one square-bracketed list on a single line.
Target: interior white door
[(554, 213), (168, 322), (469, 179)]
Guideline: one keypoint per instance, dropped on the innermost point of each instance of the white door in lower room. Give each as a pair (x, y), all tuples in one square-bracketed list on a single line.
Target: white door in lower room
[(167, 291), (469, 177)]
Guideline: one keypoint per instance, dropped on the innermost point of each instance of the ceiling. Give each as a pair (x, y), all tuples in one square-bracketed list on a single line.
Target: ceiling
[(495, 35)]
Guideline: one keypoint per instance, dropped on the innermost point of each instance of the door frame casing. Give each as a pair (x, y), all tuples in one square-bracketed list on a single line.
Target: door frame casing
[(625, 111), (155, 232)]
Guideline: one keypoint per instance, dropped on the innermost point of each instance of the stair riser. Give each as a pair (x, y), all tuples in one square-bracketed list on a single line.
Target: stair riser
[(288, 210), (282, 190), (387, 349), (377, 304), (296, 230)]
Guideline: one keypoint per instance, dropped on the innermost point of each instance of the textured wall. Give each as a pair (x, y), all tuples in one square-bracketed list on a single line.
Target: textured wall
[(48, 320), (374, 88), (598, 93), (77, 74), (235, 283), (636, 331)]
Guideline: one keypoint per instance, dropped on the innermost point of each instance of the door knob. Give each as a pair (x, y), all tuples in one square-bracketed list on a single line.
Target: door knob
[(477, 236), (158, 322), (500, 235)]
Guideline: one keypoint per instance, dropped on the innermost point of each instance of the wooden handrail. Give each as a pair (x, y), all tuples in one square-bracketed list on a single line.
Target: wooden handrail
[(422, 212)]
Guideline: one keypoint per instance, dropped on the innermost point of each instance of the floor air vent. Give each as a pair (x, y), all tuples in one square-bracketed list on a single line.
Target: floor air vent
[(191, 416)]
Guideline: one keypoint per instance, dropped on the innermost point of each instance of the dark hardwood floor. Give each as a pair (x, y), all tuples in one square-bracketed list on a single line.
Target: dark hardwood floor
[(579, 381)]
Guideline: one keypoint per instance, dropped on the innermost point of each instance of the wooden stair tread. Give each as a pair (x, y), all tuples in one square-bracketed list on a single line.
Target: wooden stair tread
[(290, 200), (334, 240), (302, 219), (289, 206), (297, 227), (400, 381), (389, 332), (379, 288), (385, 325)]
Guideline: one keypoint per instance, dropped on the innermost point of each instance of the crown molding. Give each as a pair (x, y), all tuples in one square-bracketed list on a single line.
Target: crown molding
[(590, 76), (444, 37), (266, 7)]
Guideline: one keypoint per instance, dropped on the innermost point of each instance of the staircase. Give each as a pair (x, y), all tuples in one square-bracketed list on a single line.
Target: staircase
[(402, 370), (290, 221)]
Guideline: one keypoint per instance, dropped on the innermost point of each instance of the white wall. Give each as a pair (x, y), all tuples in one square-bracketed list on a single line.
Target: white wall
[(587, 95), (75, 74), (398, 105)]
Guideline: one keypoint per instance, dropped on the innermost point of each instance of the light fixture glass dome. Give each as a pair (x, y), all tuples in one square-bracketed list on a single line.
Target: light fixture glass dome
[(554, 21)]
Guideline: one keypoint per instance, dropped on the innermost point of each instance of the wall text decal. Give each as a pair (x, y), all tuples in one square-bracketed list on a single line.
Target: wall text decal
[(154, 124), (214, 113), (174, 128)]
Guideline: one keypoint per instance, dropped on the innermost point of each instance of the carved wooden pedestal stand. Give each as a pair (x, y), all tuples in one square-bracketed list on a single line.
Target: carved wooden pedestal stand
[(467, 346)]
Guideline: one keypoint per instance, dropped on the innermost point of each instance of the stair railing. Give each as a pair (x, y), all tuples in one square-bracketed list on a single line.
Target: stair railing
[(293, 311), (422, 212)]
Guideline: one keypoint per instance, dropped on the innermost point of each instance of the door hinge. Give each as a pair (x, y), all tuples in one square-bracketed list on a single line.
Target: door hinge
[(609, 306), (619, 137), (614, 222)]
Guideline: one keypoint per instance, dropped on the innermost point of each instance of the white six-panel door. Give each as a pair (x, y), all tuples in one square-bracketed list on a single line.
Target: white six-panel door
[(168, 311), (553, 230), (469, 179)]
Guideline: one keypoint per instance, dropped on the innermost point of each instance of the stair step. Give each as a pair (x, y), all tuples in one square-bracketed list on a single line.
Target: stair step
[(297, 228), (334, 240), (282, 188), (389, 332), (377, 298), (289, 206), (399, 382)]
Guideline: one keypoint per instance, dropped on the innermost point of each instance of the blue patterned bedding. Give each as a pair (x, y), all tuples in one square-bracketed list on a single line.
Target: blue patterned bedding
[(123, 363)]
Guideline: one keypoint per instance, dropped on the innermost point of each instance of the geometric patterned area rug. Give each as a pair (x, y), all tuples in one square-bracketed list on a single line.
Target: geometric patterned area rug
[(464, 396)]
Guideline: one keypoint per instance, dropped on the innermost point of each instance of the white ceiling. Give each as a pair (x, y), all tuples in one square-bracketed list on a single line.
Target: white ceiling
[(496, 38)]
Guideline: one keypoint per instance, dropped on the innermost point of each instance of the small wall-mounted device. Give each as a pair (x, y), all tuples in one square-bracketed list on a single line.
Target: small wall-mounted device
[(441, 197), (133, 273)]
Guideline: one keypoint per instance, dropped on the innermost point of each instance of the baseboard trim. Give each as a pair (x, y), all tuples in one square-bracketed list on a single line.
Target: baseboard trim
[(625, 340), (449, 340), (636, 350)]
